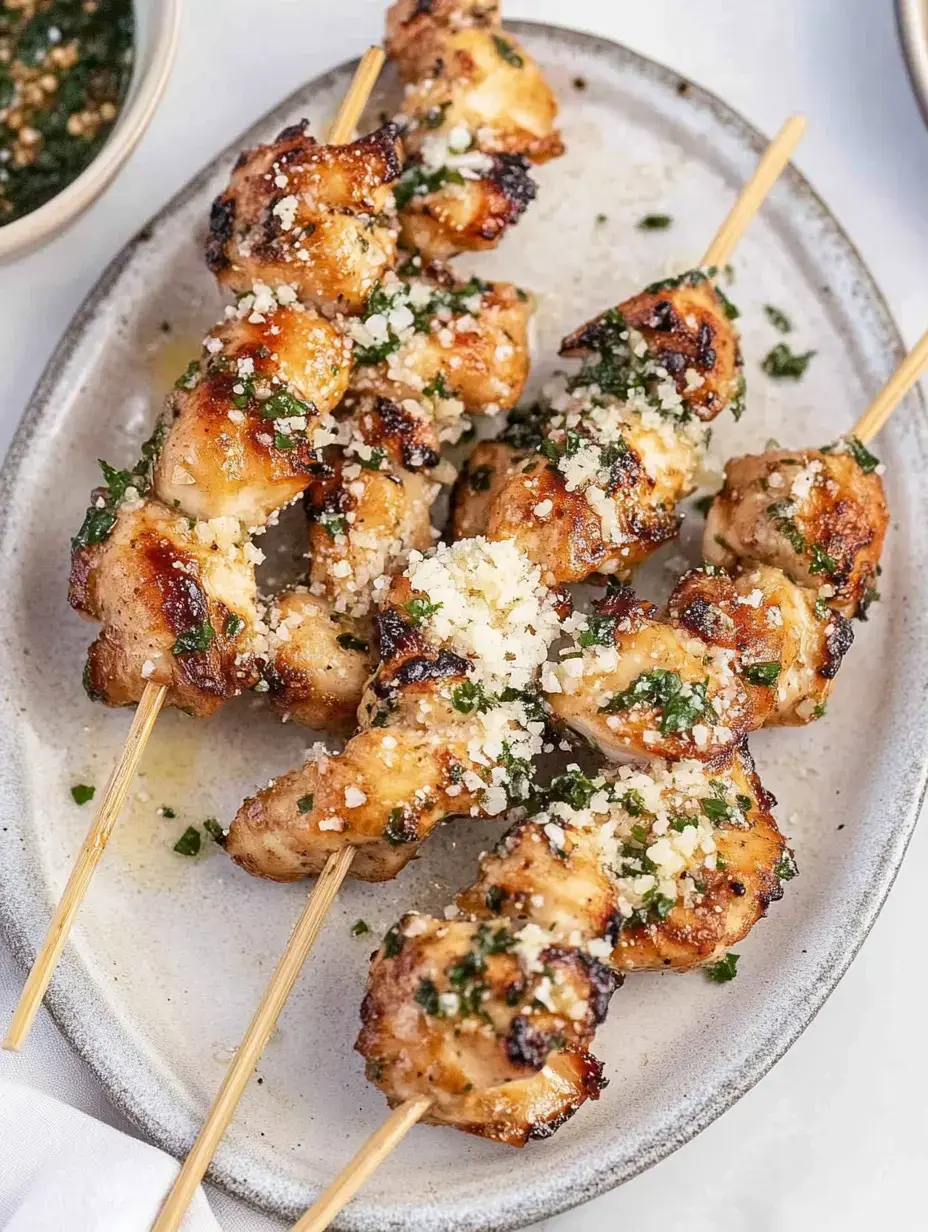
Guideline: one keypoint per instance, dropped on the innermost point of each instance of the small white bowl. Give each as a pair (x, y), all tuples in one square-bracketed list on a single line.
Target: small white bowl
[(156, 28)]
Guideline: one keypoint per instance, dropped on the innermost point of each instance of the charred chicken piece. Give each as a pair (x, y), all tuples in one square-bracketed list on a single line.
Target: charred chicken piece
[(369, 503), (655, 866), (316, 218), (494, 1032), (819, 516), (455, 347), (239, 438), (176, 601), (788, 643), (638, 685), (476, 113)]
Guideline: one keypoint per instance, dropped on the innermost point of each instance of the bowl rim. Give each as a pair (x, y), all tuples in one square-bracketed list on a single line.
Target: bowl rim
[(912, 26), (64, 207)]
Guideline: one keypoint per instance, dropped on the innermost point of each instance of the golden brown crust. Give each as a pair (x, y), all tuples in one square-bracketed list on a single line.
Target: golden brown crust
[(311, 216), (451, 1012), (573, 890), (482, 478), (646, 687), (687, 331), (817, 516), (239, 442), (177, 604)]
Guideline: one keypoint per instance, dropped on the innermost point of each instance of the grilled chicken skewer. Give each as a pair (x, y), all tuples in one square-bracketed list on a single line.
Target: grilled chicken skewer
[(733, 652), (581, 895), (131, 526), (272, 835), (656, 866), (492, 323)]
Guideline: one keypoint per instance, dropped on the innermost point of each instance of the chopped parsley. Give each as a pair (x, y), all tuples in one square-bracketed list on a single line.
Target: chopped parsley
[(232, 625), (400, 828), (190, 377), (573, 788), (360, 928), (392, 942), (437, 387), (414, 182), (600, 631), (724, 970), (655, 222), (427, 997), (335, 523), (682, 704), (304, 804), (167, 811), (189, 842), (82, 792), (821, 561), (194, 640), (100, 519), (783, 364), (779, 320), (507, 52), (469, 696), (867, 461), (786, 870), (214, 829), (419, 609), (375, 461), (761, 673)]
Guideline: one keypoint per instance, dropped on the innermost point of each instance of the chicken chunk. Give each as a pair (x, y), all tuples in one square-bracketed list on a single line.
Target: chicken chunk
[(482, 478), (177, 603), (495, 1034), (644, 867), (619, 444), (819, 516), (437, 740), (466, 74), (456, 347), (476, 113), (241, 421), (637, 685), (317, 218), (788, 643), (682, 344), (319, 662)]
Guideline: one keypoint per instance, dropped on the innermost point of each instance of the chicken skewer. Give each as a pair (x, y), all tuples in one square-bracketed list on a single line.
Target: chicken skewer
[(396, 366), (487, 732), (288, 829), (150, 702), (508, 875), (337, 864)]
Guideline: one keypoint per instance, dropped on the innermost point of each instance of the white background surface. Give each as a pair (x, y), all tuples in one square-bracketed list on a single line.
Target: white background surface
[(837, 1135)]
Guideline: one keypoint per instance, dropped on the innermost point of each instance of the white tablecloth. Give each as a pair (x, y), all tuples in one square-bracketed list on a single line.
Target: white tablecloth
[(835, 1137)]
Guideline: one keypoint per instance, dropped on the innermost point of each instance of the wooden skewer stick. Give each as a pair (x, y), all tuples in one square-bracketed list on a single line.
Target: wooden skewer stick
[(375, 1150), (398, 1124), (323, 893), (892, 393), (775, 158), (150, 704), (87, 860), (256, 1037)]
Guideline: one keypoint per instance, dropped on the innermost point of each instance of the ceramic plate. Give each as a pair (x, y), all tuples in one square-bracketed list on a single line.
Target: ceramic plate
[(171, 954)]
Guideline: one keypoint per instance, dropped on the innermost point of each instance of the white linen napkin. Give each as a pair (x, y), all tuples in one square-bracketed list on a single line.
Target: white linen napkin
[(61, 1169)]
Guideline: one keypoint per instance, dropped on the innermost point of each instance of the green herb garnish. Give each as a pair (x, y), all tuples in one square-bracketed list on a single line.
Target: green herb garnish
[(360, 928), (761, 673), (82, 792), (724, 970), (214, 829), (348, 641), (779, 320), (681, 704), (194, 640), (419, 609), (189, 842), (783, 364), (304, 804), (507, 52), (655, 222)]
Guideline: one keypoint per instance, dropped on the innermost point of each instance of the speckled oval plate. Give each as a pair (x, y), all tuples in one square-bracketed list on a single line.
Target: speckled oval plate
[(170, 955)]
